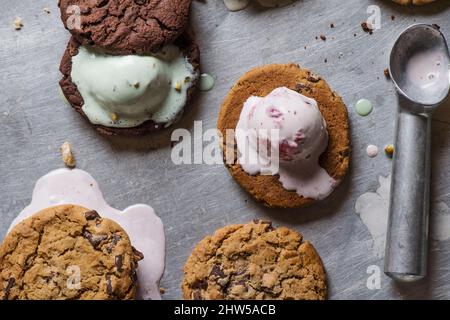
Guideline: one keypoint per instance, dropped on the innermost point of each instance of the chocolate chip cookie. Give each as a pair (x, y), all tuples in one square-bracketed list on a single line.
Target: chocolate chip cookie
[(125, 26), (254, 261), (68, 252), (190, 50), (260, 82)]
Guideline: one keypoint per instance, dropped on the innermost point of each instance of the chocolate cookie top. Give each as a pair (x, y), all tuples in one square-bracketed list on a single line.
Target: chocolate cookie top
[(187, 45), (125, 26), (414, 2), (254, 261), (260, 82), (67, 252)]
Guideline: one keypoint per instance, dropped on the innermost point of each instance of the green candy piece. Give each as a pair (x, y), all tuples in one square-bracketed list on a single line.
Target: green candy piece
[(364, 107)]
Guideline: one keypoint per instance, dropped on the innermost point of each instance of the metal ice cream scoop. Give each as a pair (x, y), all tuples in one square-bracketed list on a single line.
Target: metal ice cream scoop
[(419, 67)]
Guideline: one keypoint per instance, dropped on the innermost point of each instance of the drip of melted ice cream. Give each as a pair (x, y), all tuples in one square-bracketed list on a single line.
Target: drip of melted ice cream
[(143, 226), (284, 133)]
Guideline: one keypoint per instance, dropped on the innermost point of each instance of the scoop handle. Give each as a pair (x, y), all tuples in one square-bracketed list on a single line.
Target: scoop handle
[(407, 234)]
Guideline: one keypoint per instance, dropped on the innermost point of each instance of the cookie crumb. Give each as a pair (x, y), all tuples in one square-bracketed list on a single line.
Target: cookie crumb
[(392, 17), (18, 23), (367, 27), (389, 150), (114, 117), (313, 77), (46, 10), (162, 290), (178, 86), (136, 84), (332, 25), (436, 26), (323, 37), (387, 74), (67, 155)]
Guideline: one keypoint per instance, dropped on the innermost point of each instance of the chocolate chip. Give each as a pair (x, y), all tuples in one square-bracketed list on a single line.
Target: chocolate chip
[(91, 215), (137, 254), (299, 87), (134, 276), (9, 286), (200, 284), (240, 272), (108, 285), (114, 241), (313, 77), (267, 290), (196, 295), (217, 271), (119, 262), (94, 239), (241, 283)]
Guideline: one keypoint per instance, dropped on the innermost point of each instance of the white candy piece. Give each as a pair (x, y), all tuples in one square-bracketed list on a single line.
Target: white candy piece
[(144, 227)]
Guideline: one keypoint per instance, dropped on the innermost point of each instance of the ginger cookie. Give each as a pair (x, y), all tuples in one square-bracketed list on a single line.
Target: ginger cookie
[(67, 252), (254, 261), (126, 98), (288, 84), (125, 26)]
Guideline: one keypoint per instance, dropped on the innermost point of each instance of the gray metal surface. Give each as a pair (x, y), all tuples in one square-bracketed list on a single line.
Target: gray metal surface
[(194, 200)]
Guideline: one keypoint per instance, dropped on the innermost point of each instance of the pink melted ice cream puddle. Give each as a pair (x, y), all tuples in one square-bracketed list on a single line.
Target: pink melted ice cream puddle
[(284, 134), (144, 227)]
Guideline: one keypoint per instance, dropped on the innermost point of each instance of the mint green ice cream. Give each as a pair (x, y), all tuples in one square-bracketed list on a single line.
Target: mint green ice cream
[(125, 91)]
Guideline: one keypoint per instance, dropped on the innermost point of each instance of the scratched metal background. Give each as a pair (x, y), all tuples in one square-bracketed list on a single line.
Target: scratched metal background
[(194, 200)]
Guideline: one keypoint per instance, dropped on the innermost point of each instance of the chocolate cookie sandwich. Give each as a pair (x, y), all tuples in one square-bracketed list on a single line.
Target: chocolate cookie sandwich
[(130, 67), (413, 2), (68, 252), (132, 94), (254, 261), (125, 27), (286, 135)]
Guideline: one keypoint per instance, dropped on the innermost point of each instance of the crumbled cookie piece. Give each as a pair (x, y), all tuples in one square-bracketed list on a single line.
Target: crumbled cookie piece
[(18, 23), (67, 155), (387, 74), (46, 10), (367, 27)]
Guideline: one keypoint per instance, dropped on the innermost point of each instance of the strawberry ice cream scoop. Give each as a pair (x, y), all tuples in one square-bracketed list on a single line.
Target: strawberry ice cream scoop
[(284, 133), (302, 131)]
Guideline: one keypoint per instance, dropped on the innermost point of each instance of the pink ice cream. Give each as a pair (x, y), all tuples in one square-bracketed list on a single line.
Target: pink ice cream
[(284, 133)]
